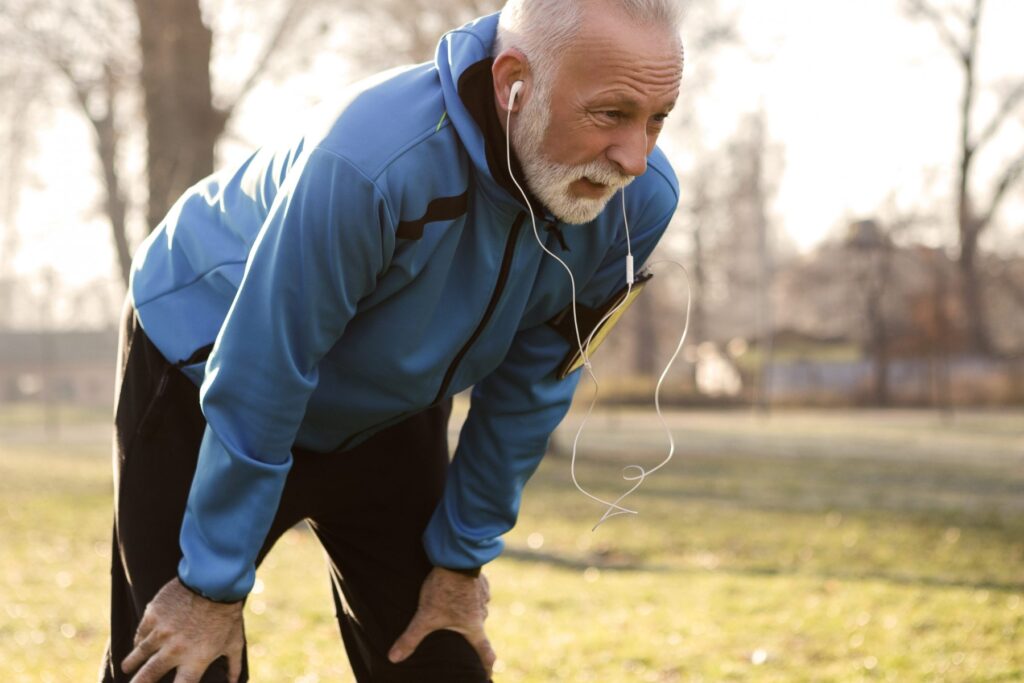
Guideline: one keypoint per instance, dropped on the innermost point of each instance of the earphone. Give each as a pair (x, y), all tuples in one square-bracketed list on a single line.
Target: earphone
[(631, 473), (514, 93)]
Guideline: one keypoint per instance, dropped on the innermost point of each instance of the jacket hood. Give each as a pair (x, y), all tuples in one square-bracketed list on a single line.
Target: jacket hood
[(463, 62)]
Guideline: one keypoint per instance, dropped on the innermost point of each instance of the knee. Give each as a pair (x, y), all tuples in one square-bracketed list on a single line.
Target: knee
[(442, 657)]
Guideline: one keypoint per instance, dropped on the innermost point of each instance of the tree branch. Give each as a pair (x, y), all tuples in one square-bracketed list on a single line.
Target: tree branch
[(1011, 174), (923, 8), (273, 44), (1006, 108), (51, 52)]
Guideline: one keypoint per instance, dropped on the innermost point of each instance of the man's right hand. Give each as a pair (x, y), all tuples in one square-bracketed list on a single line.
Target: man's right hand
[(184, 631), (452, 601)]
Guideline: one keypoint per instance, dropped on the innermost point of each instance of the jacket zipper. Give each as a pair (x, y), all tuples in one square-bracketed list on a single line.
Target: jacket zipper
[(499, 287)]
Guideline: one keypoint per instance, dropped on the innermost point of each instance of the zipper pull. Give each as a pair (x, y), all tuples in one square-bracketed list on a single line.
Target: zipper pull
[(553, 227)]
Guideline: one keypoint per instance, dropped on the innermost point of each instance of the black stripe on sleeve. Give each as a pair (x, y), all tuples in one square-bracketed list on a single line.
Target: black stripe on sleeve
[(440, 209)]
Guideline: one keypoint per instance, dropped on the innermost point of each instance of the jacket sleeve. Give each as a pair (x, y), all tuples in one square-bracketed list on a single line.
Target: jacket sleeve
[(512, 414), (318, 253)]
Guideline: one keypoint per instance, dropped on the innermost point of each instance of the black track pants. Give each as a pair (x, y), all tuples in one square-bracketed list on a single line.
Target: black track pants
[(368, 507)]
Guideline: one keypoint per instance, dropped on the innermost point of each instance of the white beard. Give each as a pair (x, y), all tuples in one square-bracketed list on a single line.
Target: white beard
[(548, 180)]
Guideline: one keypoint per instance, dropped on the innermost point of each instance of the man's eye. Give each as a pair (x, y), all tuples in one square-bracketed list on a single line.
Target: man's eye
[(659, 119), (613, 114)]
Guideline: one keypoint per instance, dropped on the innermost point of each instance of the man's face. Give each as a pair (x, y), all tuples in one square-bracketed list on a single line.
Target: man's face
[(586, 133)]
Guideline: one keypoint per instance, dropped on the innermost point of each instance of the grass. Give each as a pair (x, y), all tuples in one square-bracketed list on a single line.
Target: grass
[(811, 546)]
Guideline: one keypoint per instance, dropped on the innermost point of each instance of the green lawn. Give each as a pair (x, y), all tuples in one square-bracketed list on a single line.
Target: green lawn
[(811, 546)]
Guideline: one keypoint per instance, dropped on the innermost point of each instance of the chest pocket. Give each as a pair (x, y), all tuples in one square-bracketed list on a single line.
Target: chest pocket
[(595, 323)]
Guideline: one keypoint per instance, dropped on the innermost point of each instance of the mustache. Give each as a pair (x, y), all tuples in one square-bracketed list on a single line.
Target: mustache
[(602, 173)]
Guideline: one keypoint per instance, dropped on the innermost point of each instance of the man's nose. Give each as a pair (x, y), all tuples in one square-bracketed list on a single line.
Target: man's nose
[(629, 152)]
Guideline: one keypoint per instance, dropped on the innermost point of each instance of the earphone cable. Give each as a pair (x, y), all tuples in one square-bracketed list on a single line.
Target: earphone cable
[(613, 508)]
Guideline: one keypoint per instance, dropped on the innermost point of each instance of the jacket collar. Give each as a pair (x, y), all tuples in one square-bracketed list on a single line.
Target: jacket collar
[(463, 63), (476, 89)]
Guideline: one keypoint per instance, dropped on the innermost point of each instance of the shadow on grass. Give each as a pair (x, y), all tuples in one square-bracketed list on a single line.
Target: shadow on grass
[(565, 561), (983, 492), (575, 563)]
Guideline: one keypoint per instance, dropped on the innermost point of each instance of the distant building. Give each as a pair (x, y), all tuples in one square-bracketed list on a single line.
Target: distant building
[(65, 366)]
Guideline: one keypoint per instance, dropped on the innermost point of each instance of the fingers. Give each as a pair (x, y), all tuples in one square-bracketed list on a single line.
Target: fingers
[(420, 629), (449, 600), (407, 643), (486, 652), (187, 677), (154, 669), (144, 649), (162, 651), (144, 628), (235, 666)]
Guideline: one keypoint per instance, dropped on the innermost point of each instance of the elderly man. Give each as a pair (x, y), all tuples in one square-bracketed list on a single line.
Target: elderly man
[(299, 323)]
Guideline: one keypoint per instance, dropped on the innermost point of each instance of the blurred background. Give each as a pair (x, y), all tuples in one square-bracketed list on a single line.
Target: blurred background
[(847, 499)]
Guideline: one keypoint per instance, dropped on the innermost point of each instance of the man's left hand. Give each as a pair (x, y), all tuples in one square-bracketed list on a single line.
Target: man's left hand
[(183, 631), (453, 601)]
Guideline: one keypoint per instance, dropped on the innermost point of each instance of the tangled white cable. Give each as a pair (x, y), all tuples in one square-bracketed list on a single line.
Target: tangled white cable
[(633, 473)]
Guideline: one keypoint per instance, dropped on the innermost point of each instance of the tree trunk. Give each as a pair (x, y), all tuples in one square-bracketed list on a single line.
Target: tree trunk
[(107, 141), (700, 212), (978, 337), (182, 124), (765, 318), (879, 348), (882, 262), (970, 227), (115, 204), (942, 385)]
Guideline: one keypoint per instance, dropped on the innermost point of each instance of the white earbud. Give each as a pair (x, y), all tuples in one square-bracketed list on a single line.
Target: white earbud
[(514, 93)]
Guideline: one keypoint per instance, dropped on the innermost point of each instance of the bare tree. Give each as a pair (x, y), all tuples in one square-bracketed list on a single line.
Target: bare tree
[(755, 189), (102, 51), (182, 124), (92, 66), (959, 28), (741, 259), (700, 210), (393, 32), (183, 118), (935, 317), (15, 143), (871, 251)]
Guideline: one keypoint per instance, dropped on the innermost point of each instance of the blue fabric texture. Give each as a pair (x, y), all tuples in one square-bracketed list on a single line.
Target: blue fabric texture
[(340, 279)]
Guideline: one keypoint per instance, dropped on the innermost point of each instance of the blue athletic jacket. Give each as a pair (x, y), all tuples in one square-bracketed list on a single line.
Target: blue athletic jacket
[(322, 291)]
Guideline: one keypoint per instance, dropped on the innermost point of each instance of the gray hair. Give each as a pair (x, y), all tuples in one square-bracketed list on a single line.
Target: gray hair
[(544, 29)]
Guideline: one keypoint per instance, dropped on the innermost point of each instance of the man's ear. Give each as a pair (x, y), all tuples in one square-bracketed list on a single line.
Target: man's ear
[(510, 66)]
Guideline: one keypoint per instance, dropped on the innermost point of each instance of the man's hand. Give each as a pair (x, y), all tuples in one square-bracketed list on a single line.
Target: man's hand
[(184, 631), (453, 601)]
